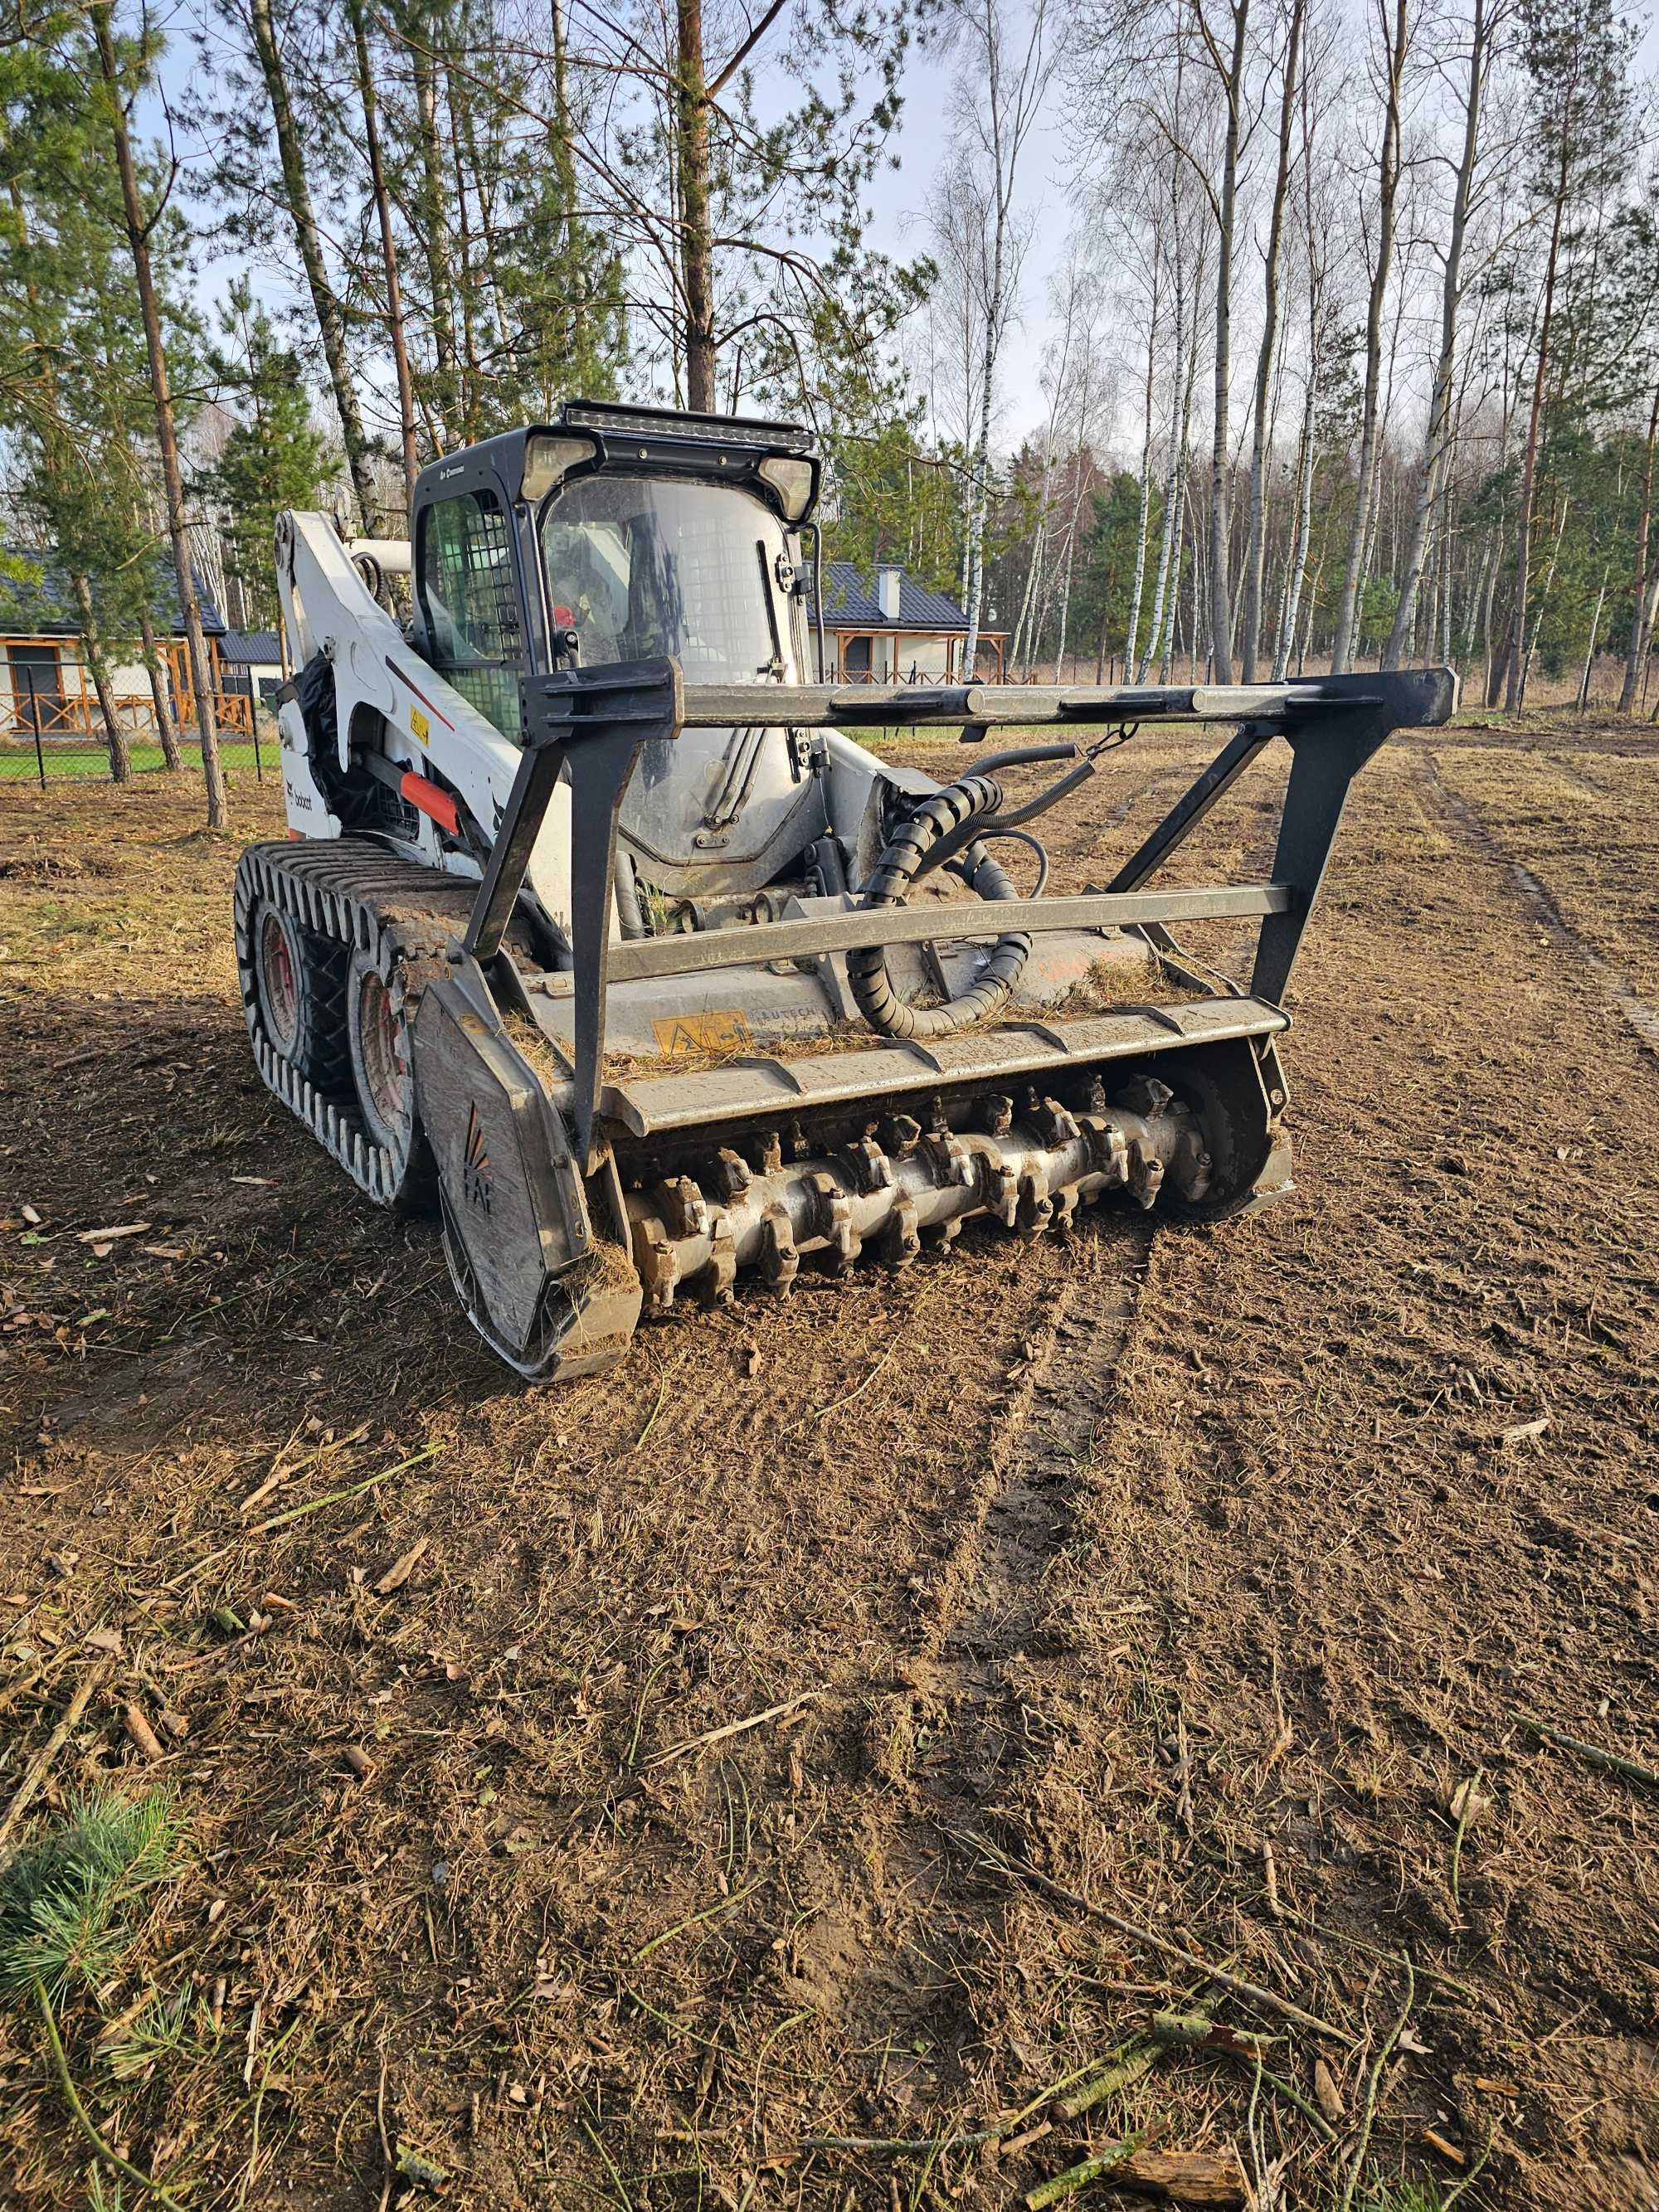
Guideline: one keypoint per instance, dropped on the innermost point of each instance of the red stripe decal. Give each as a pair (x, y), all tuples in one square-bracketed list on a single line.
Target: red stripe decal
[(430, 800), (420, 695)]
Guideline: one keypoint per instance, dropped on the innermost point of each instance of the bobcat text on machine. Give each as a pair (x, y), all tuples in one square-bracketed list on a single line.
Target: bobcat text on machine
[(593, 918)]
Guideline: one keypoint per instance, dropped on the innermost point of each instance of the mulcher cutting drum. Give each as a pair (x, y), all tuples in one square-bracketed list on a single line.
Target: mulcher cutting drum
[(597, 931)]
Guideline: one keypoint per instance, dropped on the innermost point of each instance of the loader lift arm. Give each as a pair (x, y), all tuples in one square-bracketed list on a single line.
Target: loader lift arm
[(592, 724)]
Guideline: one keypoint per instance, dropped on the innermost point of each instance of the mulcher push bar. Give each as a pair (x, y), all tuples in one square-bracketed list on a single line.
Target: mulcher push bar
[(1000, 706), (594, 722)]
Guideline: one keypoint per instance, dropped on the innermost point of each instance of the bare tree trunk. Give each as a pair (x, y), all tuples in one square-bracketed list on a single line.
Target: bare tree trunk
[(1221, 605), (1438, 448), (466, 282), (166, 439), (564, 165), (1297, 568), (1524, 660), (1387, 197), (330, 320), (1255, 544), (1641, 618), (696, 235), (1516, 684), (1171, 522), (413, 23), (1133, 632), (166, 728), (1172, 617), (1594, 632), (120, 758), (394, 298)]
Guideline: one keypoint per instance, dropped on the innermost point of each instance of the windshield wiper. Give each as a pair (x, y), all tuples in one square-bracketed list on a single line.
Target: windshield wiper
[(774, 667)]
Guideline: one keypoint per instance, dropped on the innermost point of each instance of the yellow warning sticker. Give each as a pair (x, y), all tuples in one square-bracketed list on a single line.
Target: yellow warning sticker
[(419, 724), (685, 1035)]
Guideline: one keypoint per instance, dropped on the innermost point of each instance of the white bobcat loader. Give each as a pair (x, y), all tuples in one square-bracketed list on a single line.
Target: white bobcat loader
[(593, 923)]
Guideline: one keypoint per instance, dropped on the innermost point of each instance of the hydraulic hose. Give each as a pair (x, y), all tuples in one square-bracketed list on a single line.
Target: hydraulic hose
[(947, 814)]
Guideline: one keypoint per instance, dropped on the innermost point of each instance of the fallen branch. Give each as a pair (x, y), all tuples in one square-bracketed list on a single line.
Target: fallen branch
[(35, 1774), (1280, 2088), (83, 2117), (1154, 1942), (1086, 2170), (732, 1728), (1363, 2141), (299, 1512), (1133, 2060), (1611, 1761)]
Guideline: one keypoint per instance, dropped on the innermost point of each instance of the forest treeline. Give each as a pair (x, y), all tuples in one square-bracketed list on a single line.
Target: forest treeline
[(1353, 350)]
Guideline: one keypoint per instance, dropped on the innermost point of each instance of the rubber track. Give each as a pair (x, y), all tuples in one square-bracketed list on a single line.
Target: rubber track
[(351, 894)]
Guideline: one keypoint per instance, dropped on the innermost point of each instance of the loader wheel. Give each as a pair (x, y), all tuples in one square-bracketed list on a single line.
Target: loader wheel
[(278, 966), (297, 977), (377, 1033), (382, 1066)]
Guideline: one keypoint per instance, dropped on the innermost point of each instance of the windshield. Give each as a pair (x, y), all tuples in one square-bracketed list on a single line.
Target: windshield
[(639, 566)]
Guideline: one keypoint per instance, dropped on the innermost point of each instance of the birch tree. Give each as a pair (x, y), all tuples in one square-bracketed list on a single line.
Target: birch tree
[(1394, 29), (1006, 68), (1486, 18)]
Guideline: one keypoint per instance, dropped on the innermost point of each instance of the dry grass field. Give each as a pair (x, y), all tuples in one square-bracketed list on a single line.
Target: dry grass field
[(782, 1771)]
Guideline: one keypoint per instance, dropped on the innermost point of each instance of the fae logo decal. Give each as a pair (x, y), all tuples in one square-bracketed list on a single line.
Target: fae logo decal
[(478, 1183)]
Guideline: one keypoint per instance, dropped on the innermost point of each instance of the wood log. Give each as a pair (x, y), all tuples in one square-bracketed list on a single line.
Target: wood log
[(1212, 2179)]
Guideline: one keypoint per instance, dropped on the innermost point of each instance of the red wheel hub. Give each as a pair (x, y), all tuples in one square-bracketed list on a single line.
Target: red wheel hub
[(281, 984), (383, 1069)]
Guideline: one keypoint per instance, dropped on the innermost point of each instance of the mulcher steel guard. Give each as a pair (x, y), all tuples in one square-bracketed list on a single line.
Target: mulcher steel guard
[(527, 1155)]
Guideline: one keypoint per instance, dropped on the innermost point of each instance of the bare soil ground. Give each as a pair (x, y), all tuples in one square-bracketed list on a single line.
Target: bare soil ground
[(704, 1785)]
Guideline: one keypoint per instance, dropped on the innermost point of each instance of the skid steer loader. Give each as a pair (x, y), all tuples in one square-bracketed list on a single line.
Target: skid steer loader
[(596, 923)]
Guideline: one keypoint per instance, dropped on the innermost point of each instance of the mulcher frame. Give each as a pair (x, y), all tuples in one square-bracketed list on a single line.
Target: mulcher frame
[(592, 724)]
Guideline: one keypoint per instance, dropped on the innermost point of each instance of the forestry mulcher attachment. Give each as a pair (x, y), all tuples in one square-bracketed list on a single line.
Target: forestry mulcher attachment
[(595, 922)]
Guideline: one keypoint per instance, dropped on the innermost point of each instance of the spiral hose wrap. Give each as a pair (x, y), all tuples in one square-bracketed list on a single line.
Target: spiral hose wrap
[(939, 815)]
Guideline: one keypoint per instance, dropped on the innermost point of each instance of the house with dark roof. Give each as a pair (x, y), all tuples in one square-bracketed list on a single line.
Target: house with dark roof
[(888, 628), (45, 686), (252, 662)]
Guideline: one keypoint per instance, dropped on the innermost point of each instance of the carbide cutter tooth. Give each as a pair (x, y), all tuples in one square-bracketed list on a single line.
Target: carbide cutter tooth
[(834, 1221), (779, 1260)]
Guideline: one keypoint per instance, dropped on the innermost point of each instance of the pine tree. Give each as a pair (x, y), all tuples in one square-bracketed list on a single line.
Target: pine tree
[(83, 425), (274, 458)]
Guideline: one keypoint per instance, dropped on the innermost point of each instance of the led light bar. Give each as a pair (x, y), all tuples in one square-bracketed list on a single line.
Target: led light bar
[(663, 422)]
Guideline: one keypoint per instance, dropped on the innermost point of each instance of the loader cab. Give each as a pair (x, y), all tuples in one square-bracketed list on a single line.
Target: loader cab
[(639, 531), (642, 529)]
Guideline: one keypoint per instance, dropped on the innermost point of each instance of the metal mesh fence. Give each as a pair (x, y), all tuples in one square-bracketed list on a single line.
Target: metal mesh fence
[(52, 728), (42, 760)]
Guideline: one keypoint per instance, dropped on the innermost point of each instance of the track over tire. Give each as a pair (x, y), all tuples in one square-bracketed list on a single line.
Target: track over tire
[(382, 1056), (278, 961)]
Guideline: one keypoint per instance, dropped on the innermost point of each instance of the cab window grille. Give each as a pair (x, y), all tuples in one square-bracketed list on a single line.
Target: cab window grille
[(471, 604)]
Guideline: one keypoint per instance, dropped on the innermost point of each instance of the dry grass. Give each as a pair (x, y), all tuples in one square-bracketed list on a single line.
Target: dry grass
[(1189, 1570)]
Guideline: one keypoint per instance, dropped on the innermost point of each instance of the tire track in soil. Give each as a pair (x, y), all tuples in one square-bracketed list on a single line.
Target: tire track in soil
[(1642, 1018), (979, 1670)]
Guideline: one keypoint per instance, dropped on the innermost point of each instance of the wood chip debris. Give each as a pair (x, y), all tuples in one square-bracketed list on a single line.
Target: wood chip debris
[(1519, 1434), (110, 1235), (142, 1735), (399, 1572), (1326, 2095), (1192, 2177), (1436, 2140)]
